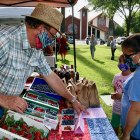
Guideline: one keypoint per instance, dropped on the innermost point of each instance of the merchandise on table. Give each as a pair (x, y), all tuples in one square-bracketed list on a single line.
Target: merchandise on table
[(68, 111), (67, 72), (85, 91), (42, 108), (100, 128), (96, 127), (7, 135), (41, 99), (68, 120), (42, 87), (18, 126)]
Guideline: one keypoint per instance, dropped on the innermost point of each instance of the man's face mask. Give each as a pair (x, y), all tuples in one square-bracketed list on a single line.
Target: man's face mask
[(43, 40), (123, 67)]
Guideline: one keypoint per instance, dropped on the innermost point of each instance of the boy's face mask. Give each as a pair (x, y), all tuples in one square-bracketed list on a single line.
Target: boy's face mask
[(43, 40), (123, 67)]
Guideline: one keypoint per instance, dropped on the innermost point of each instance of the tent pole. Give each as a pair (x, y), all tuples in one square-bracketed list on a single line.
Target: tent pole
[(74, 49), (71, 2)]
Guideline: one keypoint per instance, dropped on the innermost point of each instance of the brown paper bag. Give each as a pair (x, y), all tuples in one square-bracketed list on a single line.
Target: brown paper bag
[(71, 89), (93, 95), (82, 96), (85, 91)]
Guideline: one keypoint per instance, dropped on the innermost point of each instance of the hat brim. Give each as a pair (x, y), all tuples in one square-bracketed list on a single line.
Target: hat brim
[(44, 23)]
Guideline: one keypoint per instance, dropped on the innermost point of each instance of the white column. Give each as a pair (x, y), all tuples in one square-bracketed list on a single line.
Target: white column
[(96, 32)]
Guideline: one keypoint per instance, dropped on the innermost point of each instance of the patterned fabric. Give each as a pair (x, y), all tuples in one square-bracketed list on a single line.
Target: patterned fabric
[(101, 129), (45, 40), (18, 60), (117, 82)]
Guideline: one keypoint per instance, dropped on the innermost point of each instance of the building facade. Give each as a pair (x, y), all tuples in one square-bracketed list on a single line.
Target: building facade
[(98, 25), (69, 27)]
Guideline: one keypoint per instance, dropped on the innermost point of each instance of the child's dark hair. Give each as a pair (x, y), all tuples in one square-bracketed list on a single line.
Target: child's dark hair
[(132, 42)]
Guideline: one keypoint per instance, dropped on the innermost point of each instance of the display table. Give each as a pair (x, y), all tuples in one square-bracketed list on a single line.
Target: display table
[(96, 127)]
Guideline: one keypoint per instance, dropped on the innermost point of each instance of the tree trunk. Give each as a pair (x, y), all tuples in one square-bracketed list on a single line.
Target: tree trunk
[(111, 26), (127, 28), (128, 25)]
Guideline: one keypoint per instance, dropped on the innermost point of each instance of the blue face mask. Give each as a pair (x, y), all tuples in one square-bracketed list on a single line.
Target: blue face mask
[(44, 39), (123, 67), (131, 64)]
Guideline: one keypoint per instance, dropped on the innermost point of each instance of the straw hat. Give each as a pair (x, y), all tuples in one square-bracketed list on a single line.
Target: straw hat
[(47, 15)]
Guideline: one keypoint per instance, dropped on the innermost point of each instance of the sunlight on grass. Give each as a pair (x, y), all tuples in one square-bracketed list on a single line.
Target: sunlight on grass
[(101, 70)]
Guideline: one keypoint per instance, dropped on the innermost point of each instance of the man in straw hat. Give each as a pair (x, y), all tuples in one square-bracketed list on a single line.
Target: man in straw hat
[(21, 53)]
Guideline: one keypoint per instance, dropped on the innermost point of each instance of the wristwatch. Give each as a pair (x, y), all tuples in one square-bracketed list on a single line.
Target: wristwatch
[(73, 99)]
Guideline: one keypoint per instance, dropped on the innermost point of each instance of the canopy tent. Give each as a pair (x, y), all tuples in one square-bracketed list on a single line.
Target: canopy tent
[(53, 3), (14, 15), (33, 3), (15, 12)]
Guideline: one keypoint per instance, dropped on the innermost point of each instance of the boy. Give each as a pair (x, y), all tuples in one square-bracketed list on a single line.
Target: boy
[(118, 81)]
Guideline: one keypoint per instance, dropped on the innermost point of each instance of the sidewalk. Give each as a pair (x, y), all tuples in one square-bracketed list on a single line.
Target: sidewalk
[(107, 99)]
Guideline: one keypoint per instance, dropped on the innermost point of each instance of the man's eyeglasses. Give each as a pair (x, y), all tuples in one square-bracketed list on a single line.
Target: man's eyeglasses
[(48, 30), (53, 36)]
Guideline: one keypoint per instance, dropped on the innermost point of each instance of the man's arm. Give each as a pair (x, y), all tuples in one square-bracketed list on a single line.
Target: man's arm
[(57, 85), (14, 103), (132, 119)]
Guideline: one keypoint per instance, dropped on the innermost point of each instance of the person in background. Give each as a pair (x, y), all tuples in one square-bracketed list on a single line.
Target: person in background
[(63, 47), (113, 47), (21, 53), (118, 81), (87, 40), (93, 43), (130, 103)]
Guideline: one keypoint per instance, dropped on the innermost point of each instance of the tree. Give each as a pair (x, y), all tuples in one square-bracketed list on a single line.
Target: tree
[(136, 23), (119, 31), (126, 8), (131, 7), (108, 8)]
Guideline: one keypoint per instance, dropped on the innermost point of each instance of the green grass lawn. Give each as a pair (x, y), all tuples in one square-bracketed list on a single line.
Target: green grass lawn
[(101, 70)]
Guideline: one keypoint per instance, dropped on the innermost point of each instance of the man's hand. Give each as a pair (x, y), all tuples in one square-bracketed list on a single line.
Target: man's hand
[(78, 107), (14, 103)]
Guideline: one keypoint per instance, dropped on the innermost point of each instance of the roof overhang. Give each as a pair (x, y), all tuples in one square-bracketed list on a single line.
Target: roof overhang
[(33, 3)]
